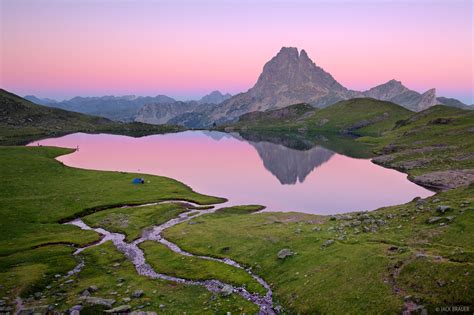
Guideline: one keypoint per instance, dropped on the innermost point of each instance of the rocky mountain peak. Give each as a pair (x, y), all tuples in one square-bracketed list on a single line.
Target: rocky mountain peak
[(428, 99), (215, 97)]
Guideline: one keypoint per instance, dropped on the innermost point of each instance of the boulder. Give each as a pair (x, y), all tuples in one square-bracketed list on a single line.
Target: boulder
[(226, 290), (433, 220), (137, 294), (327, 243), (119, 309), (98, 301), (285, 252), (442, 208)]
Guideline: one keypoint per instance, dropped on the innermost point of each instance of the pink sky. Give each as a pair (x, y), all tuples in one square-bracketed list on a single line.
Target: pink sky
[(185, 49)]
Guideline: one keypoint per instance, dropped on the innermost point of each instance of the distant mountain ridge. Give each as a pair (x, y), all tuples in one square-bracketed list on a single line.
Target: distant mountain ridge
[(22, 121), (291, 77), (215, 97), (127, 107)]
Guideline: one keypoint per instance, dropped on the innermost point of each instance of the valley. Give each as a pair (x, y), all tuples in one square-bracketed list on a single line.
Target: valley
[(412, 256)]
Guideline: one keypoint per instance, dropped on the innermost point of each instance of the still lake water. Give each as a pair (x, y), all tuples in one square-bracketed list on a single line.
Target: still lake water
[(314, 180)]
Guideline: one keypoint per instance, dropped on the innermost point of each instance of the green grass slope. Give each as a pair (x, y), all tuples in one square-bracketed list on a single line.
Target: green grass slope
[(361, 263), (435, 145), (38, 192), (359, 116), (22, 121)]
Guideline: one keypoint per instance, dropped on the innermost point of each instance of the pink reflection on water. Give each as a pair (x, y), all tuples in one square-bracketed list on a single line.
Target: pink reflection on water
[(226, 166)]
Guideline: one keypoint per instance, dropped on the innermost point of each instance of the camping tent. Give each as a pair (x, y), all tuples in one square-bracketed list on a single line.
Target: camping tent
[(138, 181)]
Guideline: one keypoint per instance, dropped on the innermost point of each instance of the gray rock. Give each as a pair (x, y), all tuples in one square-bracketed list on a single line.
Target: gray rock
[(327, 243), (92, 288), (119, 309), (450, 218), (317, 229), (137, 294), (226, 290), (127, 299), (69, 281), (441, 283), (285, 252), (442, 208), (445, 180), (433, 220), (345, 217), (85, 293), (98, 301)]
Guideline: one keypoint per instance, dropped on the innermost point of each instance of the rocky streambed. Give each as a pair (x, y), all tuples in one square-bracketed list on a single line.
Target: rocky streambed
[(135, 254)]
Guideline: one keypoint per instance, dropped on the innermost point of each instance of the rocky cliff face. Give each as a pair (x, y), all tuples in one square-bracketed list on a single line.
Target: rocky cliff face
[(162, 113)]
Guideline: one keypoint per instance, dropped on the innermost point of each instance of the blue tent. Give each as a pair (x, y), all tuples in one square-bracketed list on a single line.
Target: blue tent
[(138, 181)]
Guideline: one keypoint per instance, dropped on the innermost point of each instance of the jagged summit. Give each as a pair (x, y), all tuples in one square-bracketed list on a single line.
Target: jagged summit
[(215, 97)]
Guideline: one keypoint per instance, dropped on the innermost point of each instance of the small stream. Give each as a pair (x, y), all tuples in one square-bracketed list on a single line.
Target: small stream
[(137, 257)]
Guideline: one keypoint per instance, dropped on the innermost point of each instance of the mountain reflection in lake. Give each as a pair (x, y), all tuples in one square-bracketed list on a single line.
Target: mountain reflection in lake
[(283, 173)]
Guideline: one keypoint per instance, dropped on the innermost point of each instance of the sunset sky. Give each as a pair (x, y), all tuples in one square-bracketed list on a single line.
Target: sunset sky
[(185, 49)]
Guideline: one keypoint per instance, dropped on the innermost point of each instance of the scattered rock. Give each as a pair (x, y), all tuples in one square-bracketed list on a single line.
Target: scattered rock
[(383, 159), (126, 300), (226, 290), (98, 301), (450, 218), (345, 217), (393, 248), (433, 220), (317, 229), (285, 252), (442, 208), (92, 288), (411, 164), (420, 255), (137, 294), (327, 243), (85, 293), (69, 281), (119, 309), (441, 283), (356, 223)]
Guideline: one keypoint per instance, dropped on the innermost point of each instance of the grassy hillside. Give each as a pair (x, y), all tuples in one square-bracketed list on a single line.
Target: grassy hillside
[(22, 121), (359, 116), (435, 147), (38, 192)]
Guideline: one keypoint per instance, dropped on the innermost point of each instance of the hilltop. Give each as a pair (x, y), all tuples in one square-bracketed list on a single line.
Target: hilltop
[(360, 116)]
